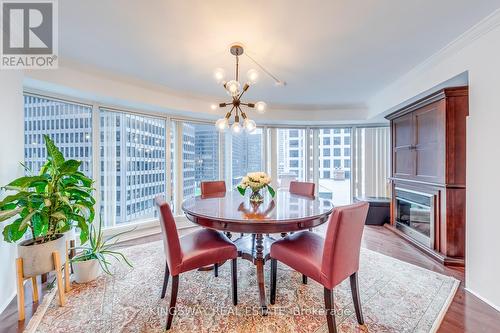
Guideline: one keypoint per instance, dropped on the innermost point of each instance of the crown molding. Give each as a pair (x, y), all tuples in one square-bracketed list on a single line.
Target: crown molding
[(477, 31)]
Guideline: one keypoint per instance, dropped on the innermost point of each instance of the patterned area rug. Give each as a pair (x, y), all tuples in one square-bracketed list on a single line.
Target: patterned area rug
[(395, 296)]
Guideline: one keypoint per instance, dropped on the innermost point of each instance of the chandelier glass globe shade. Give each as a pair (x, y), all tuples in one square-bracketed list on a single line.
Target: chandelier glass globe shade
[(260, 107), (233, 87)]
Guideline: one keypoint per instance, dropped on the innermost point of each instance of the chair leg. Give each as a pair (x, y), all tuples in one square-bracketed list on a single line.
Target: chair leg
[(216, 270), (165, 280), (330, 311), (274, 268), (304, 279), (173, 300), (234, 278), (355, 297)]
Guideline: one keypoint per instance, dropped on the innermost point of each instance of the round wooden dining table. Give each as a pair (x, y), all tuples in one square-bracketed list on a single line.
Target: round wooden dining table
[(232, 213)]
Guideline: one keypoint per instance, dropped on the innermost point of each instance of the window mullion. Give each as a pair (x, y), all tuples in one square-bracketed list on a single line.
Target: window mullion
[(96, 157), (315, 160), (179, 193), (168, 158)]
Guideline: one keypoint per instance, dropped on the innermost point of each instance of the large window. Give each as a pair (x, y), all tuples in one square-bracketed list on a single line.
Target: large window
[(246, 154), (291, 156), (134, 157), (132, 166), (68, 124), (334, 173), (200, 156)]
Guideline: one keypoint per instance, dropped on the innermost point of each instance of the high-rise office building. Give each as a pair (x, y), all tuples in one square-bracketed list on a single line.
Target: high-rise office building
[(68, 124), (200, 156), (133, 165), (335, 153), (246, 155)]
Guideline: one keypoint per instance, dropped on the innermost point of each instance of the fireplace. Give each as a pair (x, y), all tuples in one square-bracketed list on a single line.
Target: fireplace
[(415, 215)]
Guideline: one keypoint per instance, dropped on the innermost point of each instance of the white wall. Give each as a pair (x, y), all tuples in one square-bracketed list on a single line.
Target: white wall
[(11, 153), (478, 52)]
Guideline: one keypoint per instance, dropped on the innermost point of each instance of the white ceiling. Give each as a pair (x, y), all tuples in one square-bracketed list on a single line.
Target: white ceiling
[(331, 52)]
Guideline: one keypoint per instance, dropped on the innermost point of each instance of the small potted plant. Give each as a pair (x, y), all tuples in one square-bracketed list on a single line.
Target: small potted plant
[(47, 205), (256, 181), (94, 258)]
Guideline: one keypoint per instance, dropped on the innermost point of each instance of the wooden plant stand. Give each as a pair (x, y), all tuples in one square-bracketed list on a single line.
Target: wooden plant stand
[(59, 277)]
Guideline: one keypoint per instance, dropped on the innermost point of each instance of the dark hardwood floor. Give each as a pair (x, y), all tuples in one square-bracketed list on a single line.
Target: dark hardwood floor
[(467, 313)]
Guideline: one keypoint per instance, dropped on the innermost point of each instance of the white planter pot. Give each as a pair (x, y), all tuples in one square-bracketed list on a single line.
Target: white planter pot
[(86, 271), (37, 258)]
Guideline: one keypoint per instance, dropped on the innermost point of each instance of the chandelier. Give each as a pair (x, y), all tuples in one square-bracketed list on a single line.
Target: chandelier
[(236, 91)]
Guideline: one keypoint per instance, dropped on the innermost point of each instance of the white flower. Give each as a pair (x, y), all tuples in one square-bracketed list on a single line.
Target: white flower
[(255, 180)]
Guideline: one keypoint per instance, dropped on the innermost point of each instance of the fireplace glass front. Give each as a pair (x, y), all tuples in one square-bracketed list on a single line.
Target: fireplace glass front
[(415, 216)]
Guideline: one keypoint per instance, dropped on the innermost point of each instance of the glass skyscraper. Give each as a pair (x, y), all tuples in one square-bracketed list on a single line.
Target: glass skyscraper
[(246, 150), (200, 156)]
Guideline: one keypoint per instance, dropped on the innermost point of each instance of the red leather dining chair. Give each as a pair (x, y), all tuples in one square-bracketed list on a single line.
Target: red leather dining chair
[(213, 187), (302, 188), (328, 260), (192, 251)]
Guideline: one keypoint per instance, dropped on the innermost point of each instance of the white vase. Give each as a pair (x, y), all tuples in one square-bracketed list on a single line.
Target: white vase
[(86, 271), (38, 258)]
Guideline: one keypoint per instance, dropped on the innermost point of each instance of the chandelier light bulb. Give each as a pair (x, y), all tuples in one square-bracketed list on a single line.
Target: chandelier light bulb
[(233, 87), (213, 107), (222, 124), (249, 125), (253, 76), (260, 107), (219, 74), (236, 128)]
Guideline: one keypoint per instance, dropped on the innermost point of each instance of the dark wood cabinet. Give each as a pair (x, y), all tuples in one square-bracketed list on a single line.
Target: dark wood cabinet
[(403, 153), (428, 160)]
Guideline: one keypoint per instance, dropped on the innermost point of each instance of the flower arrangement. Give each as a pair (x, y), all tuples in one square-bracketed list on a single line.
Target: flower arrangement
[(256, 181)]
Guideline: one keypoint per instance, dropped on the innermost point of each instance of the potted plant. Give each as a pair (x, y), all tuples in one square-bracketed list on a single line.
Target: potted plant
[(256, 181), (47, 205), (94, 258)]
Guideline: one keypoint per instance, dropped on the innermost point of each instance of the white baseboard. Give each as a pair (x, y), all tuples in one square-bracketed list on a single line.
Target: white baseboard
[(496, 307)]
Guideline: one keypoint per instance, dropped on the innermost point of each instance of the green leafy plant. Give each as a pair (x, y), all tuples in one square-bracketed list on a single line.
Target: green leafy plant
[(100, 248), (49, 203)]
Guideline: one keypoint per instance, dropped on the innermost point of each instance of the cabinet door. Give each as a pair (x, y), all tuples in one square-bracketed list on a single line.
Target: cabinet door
[(429, 127), (403, 164)]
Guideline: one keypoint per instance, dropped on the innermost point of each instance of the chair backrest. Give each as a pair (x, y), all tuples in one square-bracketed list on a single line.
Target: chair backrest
[(343, 243), (170, 236), (213, 187), (302, 188)]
